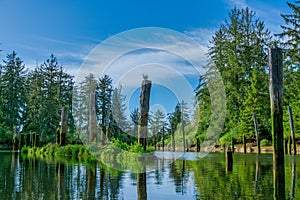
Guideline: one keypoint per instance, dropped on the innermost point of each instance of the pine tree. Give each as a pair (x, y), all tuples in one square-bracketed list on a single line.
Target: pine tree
[(13, 77), (156, 125), (290, 42), (50, 89), (118, 111), (104, 96), (237, 52)]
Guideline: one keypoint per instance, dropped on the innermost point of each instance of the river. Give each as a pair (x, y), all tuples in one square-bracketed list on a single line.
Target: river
[(188, 177)]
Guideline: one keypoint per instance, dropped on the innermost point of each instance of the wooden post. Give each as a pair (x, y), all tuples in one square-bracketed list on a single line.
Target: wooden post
[(256, 175), (229, 160), (276, 98), (163, 138), (142, 186), (293, 178), (64, 126), (93, 119), (232, 144), (292, 130), (244, 142), (290, 145), (286, 141), (173, 139), (154, 141), (182, 126), (143, 114), (198, 145), (256, 132)]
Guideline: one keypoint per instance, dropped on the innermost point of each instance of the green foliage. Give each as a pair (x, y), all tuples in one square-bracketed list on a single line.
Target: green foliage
[(5, 134), (226, 139), (237, 52), (265, 142), (290, 42), (12, 91), (120, 144), (136, 148), (25, 149)]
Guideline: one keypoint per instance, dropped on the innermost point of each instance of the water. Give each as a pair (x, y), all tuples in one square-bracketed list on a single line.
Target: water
[(185, 178)]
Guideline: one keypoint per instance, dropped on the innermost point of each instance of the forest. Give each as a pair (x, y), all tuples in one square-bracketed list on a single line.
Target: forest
[(31, 101)]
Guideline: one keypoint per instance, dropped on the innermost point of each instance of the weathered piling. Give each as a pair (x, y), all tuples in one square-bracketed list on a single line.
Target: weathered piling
[(276, 98), (142, 186), (182, 126), (93, 119), (144, 112), (173, 140), (163, 138), (256, 132), (292, 130), (229, 160), (244, 143), (63, 126)]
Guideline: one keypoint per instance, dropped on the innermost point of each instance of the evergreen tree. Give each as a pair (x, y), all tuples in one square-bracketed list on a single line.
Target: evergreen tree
[(104, 97), (156, 125), (13, 93), (134, 115), (118, 109), (290, 42), (50, 89), (237, 52), (81, 101)]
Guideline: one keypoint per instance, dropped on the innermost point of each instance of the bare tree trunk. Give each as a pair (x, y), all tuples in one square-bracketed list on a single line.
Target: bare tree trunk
[(64, 126), (143, 114)]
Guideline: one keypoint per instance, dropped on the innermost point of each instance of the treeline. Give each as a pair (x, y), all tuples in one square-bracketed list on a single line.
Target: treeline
[(239, 52), (31, 101)]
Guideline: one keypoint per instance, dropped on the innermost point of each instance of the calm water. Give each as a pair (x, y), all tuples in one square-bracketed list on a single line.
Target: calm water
[(186, 178)]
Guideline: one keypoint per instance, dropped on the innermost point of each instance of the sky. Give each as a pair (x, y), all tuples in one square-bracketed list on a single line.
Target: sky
[(73, 30)]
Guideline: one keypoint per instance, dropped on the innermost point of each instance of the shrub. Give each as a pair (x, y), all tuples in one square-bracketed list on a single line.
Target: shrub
[(265, 142), (121, 145), (136, 148), (25, 149)]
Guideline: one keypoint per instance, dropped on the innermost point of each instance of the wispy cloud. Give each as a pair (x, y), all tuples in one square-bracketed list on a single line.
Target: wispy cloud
[(266, 12)]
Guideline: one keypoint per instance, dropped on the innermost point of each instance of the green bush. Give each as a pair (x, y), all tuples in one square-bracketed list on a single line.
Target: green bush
[(225, 139), (25, 149), (265, 142), (136, 148), (121, 145)]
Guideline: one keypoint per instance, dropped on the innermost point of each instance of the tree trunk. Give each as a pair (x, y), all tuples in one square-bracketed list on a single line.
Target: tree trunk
[(143, 114), (64, 126), (276, 98)]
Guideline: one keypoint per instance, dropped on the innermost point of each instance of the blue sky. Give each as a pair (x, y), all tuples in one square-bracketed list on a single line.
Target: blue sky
[(71, 29)]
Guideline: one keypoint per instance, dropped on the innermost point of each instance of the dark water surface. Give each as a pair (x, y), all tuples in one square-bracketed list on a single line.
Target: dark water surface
[(189, 177)]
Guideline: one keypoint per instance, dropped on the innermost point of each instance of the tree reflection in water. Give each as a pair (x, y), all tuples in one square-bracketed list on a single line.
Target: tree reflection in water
[(251, 178)]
